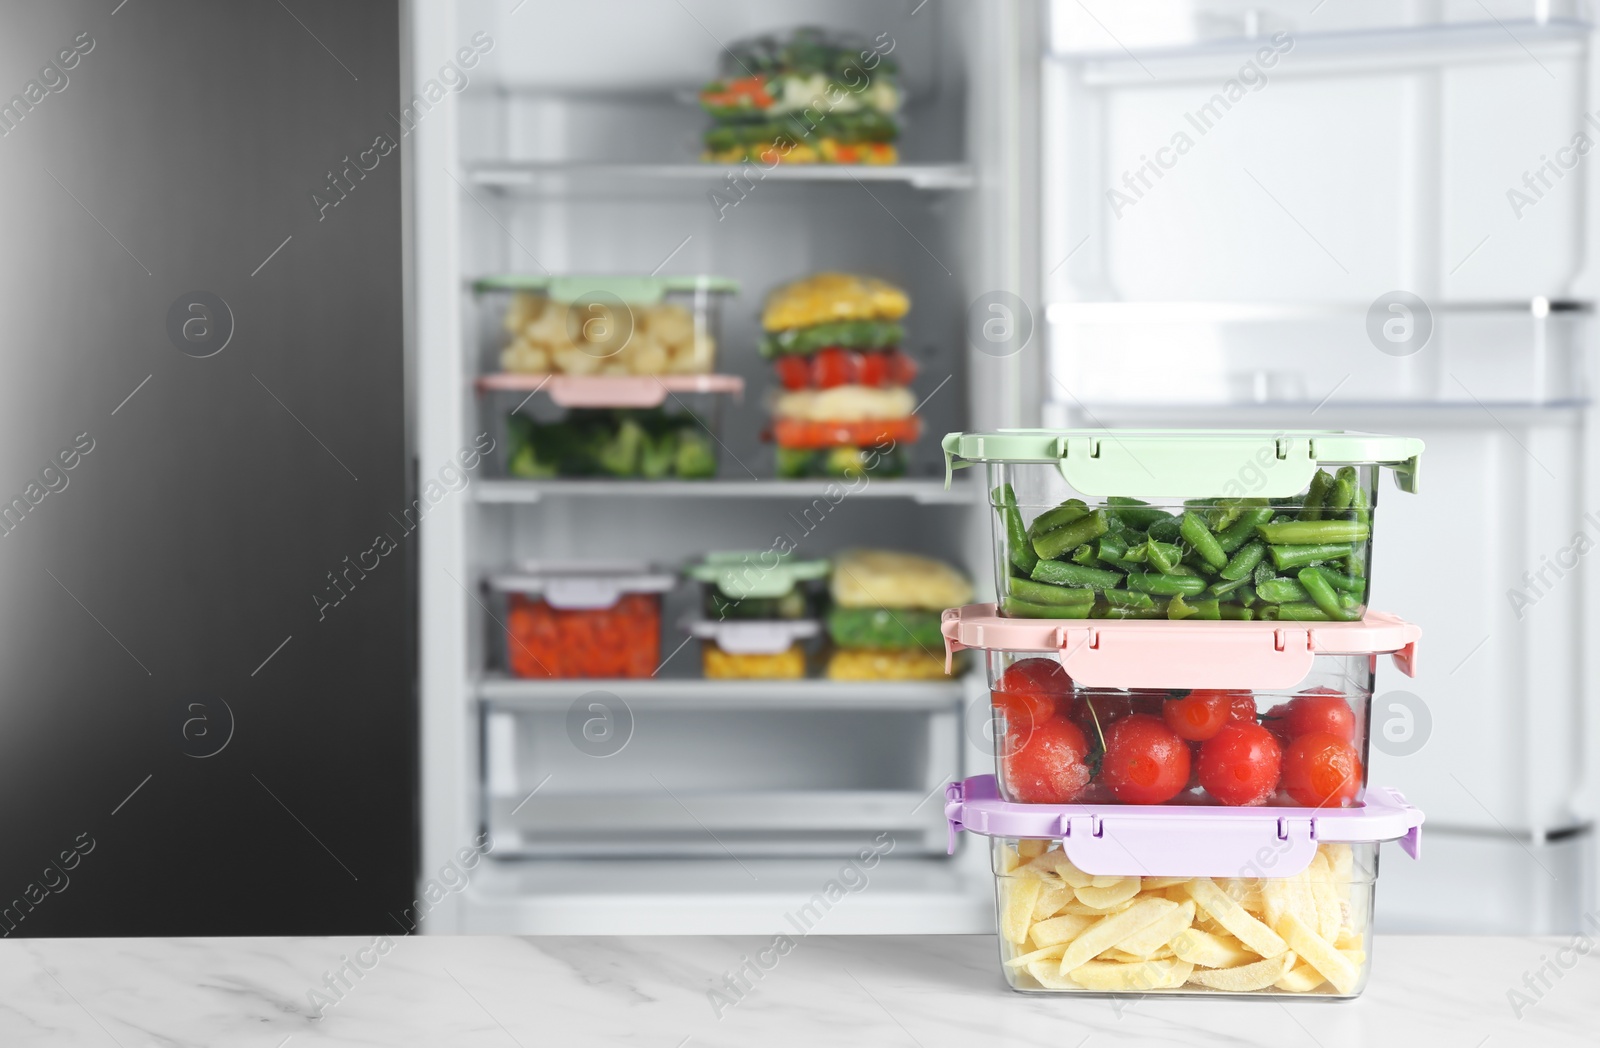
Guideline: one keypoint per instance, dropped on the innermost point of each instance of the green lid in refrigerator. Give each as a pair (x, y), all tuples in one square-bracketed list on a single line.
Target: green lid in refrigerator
[(753, 575), (1187, 463), (634, 291)]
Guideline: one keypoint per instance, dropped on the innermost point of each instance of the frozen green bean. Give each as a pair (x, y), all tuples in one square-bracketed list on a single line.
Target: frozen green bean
[(1166, 585), (1281, 591), (1311, 507), (1323, 595), (1050, 519), (1197, 535), (1061, 574), (1242, 563), (1285, 558), (1058, 541), (1306, 532), (1045, 593), (1022, 609), (1018, 548)]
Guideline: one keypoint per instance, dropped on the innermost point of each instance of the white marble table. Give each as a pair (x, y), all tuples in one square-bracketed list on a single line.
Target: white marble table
[(919, 992)]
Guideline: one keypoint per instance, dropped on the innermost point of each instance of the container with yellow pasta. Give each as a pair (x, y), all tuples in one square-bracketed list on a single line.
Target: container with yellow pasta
[(753, 649)]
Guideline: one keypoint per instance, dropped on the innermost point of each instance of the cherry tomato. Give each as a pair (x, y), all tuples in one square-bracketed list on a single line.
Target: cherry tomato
[(1239, 765), (1197, 716), (1145, 761), (874, 369), (1048, 767), (1242, 707), (1321, 709), (793, 372), (1321, 771), (1029, 690), (833, 367), (902, 369)]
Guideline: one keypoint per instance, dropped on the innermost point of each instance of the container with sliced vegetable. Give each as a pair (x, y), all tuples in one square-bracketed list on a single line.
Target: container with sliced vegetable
[(846, 407), (577, 619), (1195, 901), (1239, 714), (1178, 524), (606, 325), (810, 96), (758, 614), (885, 616)]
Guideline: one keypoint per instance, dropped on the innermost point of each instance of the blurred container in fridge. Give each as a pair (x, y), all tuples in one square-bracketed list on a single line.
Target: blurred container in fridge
[(577, 620)]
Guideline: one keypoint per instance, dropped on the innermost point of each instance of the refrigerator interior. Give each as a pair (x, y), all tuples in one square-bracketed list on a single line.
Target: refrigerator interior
[(1228, 257), (573, 150)]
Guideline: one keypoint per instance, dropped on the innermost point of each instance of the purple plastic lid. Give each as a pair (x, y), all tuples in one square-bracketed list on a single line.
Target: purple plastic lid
[(1200, 841)]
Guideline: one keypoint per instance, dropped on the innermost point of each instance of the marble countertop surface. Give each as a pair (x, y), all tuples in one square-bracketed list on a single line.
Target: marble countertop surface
[(915, 991)]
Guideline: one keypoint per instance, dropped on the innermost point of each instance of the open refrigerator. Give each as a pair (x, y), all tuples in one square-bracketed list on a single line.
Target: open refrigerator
[(572, 148)]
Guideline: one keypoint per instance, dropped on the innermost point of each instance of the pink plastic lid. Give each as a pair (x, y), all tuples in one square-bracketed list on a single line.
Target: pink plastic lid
[(1135, 653), (610, 391), (1199, 841)]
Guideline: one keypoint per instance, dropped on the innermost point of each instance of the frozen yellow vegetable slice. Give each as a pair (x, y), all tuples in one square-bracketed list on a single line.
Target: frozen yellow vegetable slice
[(1302, 978), (1150, 941), (1032, 849), (1320, 953), (1046, 953), (1017, 896), (1051, 899), (1104, 896), (1110, 930), (1326, 896), (1244, 978), (1112, 976), (1213, 951), (1061, 929), (1071, 874), (1156, 883), (1215, 902), (1048, 974)]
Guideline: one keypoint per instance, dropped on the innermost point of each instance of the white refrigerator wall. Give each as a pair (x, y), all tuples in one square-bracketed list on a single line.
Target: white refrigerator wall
[(1233, 191)]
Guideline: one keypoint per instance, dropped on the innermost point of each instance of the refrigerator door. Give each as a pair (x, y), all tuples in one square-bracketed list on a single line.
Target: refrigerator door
[(205, 552)]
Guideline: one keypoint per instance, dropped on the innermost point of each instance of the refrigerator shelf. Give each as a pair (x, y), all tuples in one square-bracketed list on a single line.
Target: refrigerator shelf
[(925, 491), (559, 176), (514, 694)]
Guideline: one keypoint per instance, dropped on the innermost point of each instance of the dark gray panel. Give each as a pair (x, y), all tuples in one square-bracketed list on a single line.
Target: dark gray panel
[(177, 155)]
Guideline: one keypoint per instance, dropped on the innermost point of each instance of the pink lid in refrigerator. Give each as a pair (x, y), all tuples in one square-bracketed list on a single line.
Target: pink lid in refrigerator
[(609, 391), (1167, 841), (1132, 653)]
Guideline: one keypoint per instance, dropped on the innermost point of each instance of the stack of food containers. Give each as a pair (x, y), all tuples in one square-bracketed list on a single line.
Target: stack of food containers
[(885, 618), (1181, 664), (626, 368), (846, 408), (812, 97), (756, 614)]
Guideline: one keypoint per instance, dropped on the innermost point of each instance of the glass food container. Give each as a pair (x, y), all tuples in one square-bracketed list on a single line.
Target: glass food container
[(1237, 901), (884, 622), (757, 585), (606, 325), (1195, 713), (753, 649), (1176, 524), (574, 620)]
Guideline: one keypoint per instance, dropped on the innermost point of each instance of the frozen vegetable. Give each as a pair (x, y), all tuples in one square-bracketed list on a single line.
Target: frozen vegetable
[(616, 442), (1064, 929), (889, 579), (1233, 558), (806, 97), (837, 366), (863, 664), (840, 460), (623, 640), (885, 629), (1149, 747), (718, 664), (845, 404), (597, 338)]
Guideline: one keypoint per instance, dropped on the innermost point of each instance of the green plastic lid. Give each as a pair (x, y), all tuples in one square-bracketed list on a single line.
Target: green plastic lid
[(742, 576), (1187, 463), (635, 291)]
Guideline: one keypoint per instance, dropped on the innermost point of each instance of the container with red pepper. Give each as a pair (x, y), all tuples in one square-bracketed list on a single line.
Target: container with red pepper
[(583, 620)]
